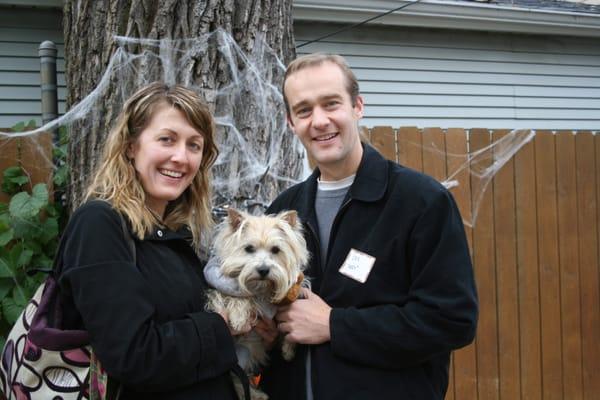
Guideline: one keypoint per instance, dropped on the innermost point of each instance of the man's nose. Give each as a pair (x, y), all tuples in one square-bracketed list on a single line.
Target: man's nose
[(320, 118)]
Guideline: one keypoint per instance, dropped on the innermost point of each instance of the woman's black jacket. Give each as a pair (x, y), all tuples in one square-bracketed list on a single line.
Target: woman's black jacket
[(146, 319)]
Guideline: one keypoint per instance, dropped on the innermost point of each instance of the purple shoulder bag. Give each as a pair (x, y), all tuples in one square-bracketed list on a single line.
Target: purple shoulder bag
[(44, 362)]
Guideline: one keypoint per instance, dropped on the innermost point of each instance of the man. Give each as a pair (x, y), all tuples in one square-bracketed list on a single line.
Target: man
[(393, 291)]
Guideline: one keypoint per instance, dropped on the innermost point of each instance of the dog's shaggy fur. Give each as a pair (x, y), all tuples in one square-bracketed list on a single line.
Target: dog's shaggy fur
[(266, 255)]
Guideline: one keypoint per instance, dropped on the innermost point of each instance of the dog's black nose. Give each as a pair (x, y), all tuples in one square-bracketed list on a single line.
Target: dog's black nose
[(263, 271)]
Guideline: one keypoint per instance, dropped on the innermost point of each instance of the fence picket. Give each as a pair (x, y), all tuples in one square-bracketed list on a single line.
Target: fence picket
[(506, 278), (383, 138), (409, 148), (589, 223), (568, 242), (527, 257), (434, 153), (485, 272), (465, 359), (552, 386)]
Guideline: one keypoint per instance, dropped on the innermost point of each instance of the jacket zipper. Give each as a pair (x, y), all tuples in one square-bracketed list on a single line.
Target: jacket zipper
[(322, 270), (317, 246), (308, 347)]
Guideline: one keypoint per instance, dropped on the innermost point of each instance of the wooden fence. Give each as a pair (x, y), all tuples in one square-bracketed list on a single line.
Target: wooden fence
[(535, 249), (34, 154)]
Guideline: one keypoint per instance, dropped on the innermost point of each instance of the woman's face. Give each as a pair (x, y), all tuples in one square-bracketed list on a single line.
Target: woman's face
[(166, 156)]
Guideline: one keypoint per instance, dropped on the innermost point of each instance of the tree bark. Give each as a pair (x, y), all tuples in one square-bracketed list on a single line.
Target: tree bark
[(90, 27)]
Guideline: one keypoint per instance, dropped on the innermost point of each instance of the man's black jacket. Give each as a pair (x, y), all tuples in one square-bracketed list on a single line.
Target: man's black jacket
[(391, 337)]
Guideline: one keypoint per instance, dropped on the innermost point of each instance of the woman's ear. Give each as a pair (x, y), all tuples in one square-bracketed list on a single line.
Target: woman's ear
[(130, 152)]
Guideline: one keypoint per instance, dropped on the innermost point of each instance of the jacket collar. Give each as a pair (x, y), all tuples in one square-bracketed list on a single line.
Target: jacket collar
[(369, 185), (164, 233)]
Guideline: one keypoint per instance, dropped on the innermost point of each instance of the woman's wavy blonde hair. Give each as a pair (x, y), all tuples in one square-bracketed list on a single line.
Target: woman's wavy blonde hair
[(116, 182)]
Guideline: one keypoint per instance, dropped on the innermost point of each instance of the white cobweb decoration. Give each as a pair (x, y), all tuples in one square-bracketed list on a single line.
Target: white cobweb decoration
[(484, 163), (241, 166)]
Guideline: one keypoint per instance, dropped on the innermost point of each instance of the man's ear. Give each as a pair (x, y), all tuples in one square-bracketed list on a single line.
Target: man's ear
[(289, 121), (359, 107)]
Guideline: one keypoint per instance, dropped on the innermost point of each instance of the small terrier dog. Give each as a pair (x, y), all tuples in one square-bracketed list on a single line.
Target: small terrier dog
[(266, 257)]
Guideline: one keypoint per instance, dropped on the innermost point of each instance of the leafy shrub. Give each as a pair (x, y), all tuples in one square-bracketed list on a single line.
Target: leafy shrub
[(29, 232)]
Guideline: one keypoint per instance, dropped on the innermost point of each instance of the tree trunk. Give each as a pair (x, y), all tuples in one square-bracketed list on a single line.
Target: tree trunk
[(90, 27)]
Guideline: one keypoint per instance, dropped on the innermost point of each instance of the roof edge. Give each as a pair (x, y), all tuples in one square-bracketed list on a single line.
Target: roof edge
[(32, 3), (454, 15)]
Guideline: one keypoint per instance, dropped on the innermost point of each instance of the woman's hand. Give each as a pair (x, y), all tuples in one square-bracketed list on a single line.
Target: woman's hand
[(243, 330), (267, 330)]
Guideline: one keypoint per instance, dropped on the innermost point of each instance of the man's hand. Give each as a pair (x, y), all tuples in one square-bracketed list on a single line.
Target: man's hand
[(306, 320)]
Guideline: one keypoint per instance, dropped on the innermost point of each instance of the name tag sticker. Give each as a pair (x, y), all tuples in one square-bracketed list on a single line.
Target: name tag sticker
[(358, 265)]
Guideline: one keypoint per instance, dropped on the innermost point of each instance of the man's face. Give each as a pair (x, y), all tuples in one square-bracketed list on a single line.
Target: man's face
[(324, 119)]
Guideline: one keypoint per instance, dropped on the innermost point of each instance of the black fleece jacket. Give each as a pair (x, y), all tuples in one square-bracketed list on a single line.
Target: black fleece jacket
[(391, 336), (146, 320)]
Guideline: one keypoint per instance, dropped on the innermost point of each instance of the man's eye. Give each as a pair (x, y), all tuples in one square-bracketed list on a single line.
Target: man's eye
[(303, 112)]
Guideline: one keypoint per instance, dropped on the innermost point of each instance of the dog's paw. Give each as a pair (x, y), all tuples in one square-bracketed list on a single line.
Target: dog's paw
[(257, 394)]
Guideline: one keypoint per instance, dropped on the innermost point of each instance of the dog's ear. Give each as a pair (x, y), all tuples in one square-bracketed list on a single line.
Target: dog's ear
[(291, 217), (235, 218)]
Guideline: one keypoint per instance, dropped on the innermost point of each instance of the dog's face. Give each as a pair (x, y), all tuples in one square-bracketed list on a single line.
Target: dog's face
[(264, 253)]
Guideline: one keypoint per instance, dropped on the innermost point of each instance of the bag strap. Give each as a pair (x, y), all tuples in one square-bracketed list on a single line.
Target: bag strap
[(239, 372)]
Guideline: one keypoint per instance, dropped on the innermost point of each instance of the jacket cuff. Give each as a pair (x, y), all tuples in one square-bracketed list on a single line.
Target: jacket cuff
[(218, 350), (336, 321)]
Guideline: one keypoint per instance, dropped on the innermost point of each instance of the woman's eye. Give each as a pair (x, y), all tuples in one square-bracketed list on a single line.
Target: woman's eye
[(165, 139), (195, 147)]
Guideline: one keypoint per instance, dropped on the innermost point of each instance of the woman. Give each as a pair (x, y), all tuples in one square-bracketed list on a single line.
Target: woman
[(145, 312)]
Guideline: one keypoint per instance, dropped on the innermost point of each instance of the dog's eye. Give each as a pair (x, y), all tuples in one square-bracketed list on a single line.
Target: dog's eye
[(249, 249), (275, 250)]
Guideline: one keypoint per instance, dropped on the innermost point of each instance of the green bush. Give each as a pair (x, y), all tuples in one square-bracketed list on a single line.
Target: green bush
[(29, 232)]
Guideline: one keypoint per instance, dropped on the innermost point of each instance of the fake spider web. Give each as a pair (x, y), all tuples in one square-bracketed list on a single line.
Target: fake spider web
[(241, 167)]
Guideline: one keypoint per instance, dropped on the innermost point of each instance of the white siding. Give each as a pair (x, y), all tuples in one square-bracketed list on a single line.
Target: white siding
[(467, 79), (408, 76), (21, 32)]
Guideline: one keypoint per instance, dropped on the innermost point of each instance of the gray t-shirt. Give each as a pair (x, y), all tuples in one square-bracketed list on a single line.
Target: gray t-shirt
[(327, 204)]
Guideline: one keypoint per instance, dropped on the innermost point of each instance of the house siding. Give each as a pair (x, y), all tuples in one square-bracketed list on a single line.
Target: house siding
[(408, 76), (468, 79), (21, 32)]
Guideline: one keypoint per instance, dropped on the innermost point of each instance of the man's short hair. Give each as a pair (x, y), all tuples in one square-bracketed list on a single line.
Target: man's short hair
[(315, 60)]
